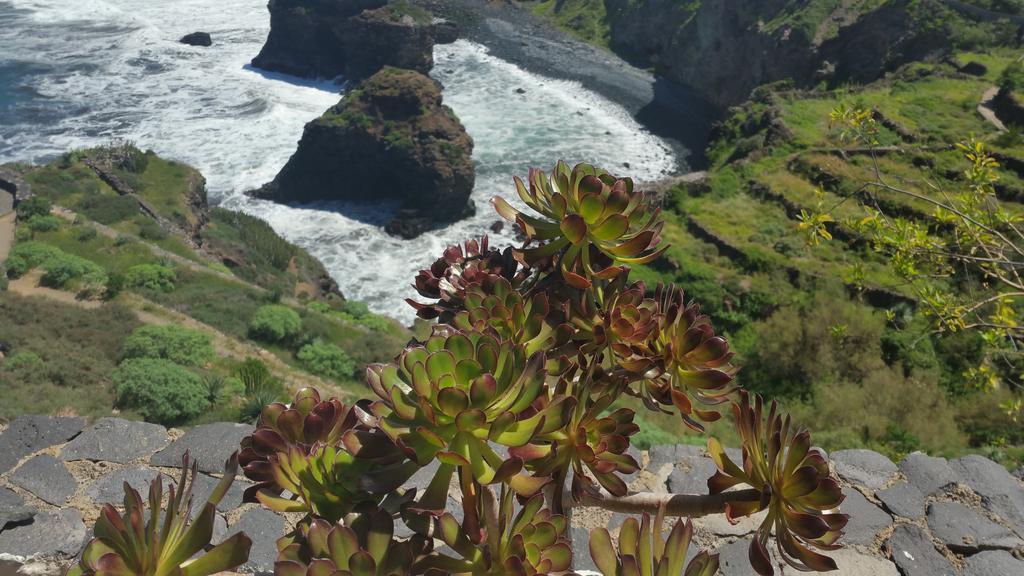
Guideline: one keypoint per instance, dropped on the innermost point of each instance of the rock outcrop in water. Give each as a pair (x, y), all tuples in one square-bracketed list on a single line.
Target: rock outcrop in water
[(197, 39), (354, 38), (390, 138)]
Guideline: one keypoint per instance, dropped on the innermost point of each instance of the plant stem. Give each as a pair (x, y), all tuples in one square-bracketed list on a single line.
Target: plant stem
[(685, 505)]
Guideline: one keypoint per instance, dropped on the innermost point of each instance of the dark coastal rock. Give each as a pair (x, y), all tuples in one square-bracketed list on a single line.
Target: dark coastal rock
[(30, 434), (47, 478), (13, 508), (445, 32), (993, 563), (691, 472), (306, 36), (915, 555), (109, 488), (116, 440), (60, 533), (1000, 492), (903, 500), (203, 486), (209, 444), (264, 528), (399, 35), (964, 530), (927, 473), (865, 467), (197, 39), (866, 519), (390, 138)]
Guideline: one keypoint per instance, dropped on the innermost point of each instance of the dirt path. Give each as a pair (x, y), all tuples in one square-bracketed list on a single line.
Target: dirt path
[(150, 312), (6, 235), (988, 111)]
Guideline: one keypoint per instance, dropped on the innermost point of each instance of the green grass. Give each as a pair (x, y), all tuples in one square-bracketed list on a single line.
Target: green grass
[(585, 19)]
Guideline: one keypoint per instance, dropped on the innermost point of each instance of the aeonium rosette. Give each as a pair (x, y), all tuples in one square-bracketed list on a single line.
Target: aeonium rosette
[(451, 397), (593, 223), (473, 264), (795, 483)]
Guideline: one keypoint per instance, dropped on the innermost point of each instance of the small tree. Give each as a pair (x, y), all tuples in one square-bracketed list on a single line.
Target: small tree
[(175, 343), (275, 323), (326, 359)]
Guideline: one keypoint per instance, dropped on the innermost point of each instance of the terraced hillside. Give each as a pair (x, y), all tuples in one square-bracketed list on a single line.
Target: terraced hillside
[(831, 324)]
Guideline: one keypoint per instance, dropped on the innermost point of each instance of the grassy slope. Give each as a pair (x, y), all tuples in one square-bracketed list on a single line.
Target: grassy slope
[(204, 292)]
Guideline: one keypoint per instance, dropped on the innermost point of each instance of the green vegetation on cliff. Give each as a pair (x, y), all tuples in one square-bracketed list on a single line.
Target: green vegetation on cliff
[(132, 274)]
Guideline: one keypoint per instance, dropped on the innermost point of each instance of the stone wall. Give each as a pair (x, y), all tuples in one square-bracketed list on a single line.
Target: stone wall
[(925, 516)]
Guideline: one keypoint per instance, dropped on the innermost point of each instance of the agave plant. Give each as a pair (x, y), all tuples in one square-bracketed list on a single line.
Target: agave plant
[(447, 398), (146, 544), (459, 268), (525, 544), (642, 552), (795, 483), (591, 221), (363, 545)]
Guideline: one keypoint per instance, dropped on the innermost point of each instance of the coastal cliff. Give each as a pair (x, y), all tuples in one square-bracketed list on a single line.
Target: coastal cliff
[(390, 138)]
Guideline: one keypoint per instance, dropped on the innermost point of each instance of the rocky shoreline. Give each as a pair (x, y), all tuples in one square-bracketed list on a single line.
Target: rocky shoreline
[(674, 112)]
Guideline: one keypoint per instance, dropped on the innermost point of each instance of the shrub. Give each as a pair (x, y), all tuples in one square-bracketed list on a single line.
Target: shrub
[(259, 386), (34, 206), (326, 360), (1012, 78), (24, 360), (108, 209), (46, 223), (86, 234), (175, 343), (63, 268), (28, 255), (275, 323), (160, 390), (151, 277), (151, 230)]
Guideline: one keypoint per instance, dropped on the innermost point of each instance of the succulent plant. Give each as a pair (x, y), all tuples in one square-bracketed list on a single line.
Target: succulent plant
[(692, 363), (447, 398), (309, 421), (529, 543), (163, 546), (591, 221), (460, 267), (795, 483), (642, 552), (362, 545)]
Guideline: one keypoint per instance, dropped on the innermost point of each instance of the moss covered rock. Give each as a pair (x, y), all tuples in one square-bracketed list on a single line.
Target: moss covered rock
[(390, 138)]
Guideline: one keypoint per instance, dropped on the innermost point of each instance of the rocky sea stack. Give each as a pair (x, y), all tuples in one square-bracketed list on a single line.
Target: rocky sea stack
[(353, 38), (390, 138), (202, 39)]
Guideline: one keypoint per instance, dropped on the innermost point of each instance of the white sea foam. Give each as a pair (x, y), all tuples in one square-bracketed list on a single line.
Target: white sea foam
[(114, 68)]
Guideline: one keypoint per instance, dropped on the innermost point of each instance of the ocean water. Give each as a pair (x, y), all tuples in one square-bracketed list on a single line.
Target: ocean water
[(81, 73)]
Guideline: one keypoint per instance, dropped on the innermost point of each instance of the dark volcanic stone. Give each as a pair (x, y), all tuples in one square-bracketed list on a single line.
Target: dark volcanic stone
[(903, 500), (386, 37), (691, 471), (13, 508), (197, 39), (204, 485), (926, 473), (307, 36), (864, 467), (915, 555), (209, 444), (734, 559), (109, 488), (965, 530), (389, 139), (47, 478), (116, 440), (50, 533), (264, 528), (1000, 492), (993, 563), (29, 434), (866, 519)]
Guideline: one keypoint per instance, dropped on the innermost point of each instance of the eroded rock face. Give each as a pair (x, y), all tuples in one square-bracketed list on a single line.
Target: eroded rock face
[(354, 38), (390, 138)]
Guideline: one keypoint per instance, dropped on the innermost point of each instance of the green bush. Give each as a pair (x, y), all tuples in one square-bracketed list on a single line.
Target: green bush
[(175, 343), (262, 245), (150, 277), (260, 388), (44, 223), (63, 268), (327, 360), (152, 231), (1012, 78), (275, 323), (24, 360), (160, 391), (28, 255), (34, 206), (86, 234)]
